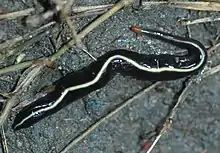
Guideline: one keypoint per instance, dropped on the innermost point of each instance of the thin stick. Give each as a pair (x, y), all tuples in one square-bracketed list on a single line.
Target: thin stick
[(181, 98), (28, 78), (64, 11), (14, 15), (91, 128), (76, 38)]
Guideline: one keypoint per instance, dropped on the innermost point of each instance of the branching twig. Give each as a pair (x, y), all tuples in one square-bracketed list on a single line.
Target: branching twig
[(93, 25), (76, 38), (64, 13)]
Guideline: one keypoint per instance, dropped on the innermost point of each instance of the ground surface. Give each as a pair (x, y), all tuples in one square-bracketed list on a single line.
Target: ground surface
[(196, 128)]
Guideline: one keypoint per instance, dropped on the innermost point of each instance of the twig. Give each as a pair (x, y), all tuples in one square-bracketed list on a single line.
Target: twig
[(76, 38), (27, 79), (64, 12), (148, 5), (91, 128), (16, 50), (83, 11), (13, 15)]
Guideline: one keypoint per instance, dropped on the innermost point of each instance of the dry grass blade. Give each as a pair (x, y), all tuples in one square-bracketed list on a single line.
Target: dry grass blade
[(201, 20), (202, 5), (3, 141)]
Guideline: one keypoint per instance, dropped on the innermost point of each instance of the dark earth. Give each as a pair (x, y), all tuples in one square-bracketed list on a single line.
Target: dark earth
[(196, 128)]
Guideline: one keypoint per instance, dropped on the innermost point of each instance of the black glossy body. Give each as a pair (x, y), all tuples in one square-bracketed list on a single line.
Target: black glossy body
[(116, 66)]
